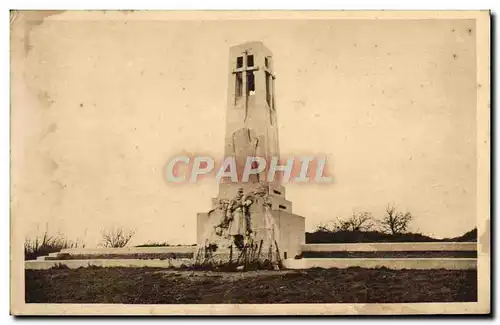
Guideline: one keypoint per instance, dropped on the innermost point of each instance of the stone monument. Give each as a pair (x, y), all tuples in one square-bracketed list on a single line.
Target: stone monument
[(251, 223)]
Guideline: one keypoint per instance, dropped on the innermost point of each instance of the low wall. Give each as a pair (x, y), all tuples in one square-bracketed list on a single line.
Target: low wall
[(390, 247), (130, 250), (386, 254), (396, 264), (391, 263), (74, 264), (366, 255)]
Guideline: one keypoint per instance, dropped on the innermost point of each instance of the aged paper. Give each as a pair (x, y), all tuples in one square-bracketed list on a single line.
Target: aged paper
[(123, 124)]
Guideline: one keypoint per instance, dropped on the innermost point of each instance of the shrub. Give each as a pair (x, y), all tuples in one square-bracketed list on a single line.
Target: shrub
[(59, 266), (116, 237), (154, 244), (45, 244)]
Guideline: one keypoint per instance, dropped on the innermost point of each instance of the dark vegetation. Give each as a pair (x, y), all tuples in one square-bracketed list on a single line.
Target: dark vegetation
[(159, 286), (391, 254), (138, 256), (469, 236), (154, 244), (374, 236), (162, 244), (115, 237), (45, 244), (364, 228)]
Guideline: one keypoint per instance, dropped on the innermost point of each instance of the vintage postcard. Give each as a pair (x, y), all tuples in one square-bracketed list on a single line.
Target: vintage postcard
[(250, 163)]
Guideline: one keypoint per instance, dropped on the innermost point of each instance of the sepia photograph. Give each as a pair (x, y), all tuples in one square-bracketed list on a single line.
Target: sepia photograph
[(250, 162)]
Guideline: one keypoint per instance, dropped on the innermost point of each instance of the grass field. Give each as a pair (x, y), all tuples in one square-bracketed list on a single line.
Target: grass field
[(160, 286)]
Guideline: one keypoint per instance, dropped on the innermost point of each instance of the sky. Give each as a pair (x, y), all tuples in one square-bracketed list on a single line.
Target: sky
[(390, 103)]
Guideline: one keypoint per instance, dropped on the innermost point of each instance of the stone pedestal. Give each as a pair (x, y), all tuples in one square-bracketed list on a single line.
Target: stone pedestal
[(272, 233)]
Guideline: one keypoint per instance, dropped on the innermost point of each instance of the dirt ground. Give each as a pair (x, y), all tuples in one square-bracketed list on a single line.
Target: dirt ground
[(160, 286)]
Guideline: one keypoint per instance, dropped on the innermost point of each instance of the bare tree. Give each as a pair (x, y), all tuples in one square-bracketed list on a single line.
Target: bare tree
[(342, 225), (116, 238), (362, 221), (323, 227), (395, 222), (356, 222)]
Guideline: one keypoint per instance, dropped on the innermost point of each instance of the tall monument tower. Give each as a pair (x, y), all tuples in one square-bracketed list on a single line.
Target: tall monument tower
[(251, 123), (251, 215)]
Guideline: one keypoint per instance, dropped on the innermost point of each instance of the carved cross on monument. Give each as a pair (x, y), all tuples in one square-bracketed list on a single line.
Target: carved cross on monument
[(245, 79), (245, 69)]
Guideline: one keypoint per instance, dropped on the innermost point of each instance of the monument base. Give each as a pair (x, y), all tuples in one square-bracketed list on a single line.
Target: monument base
[(254, 233)]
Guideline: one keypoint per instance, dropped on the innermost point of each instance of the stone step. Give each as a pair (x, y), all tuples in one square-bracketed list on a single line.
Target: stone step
[(130, 250), (74, 264), (390, 263)]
